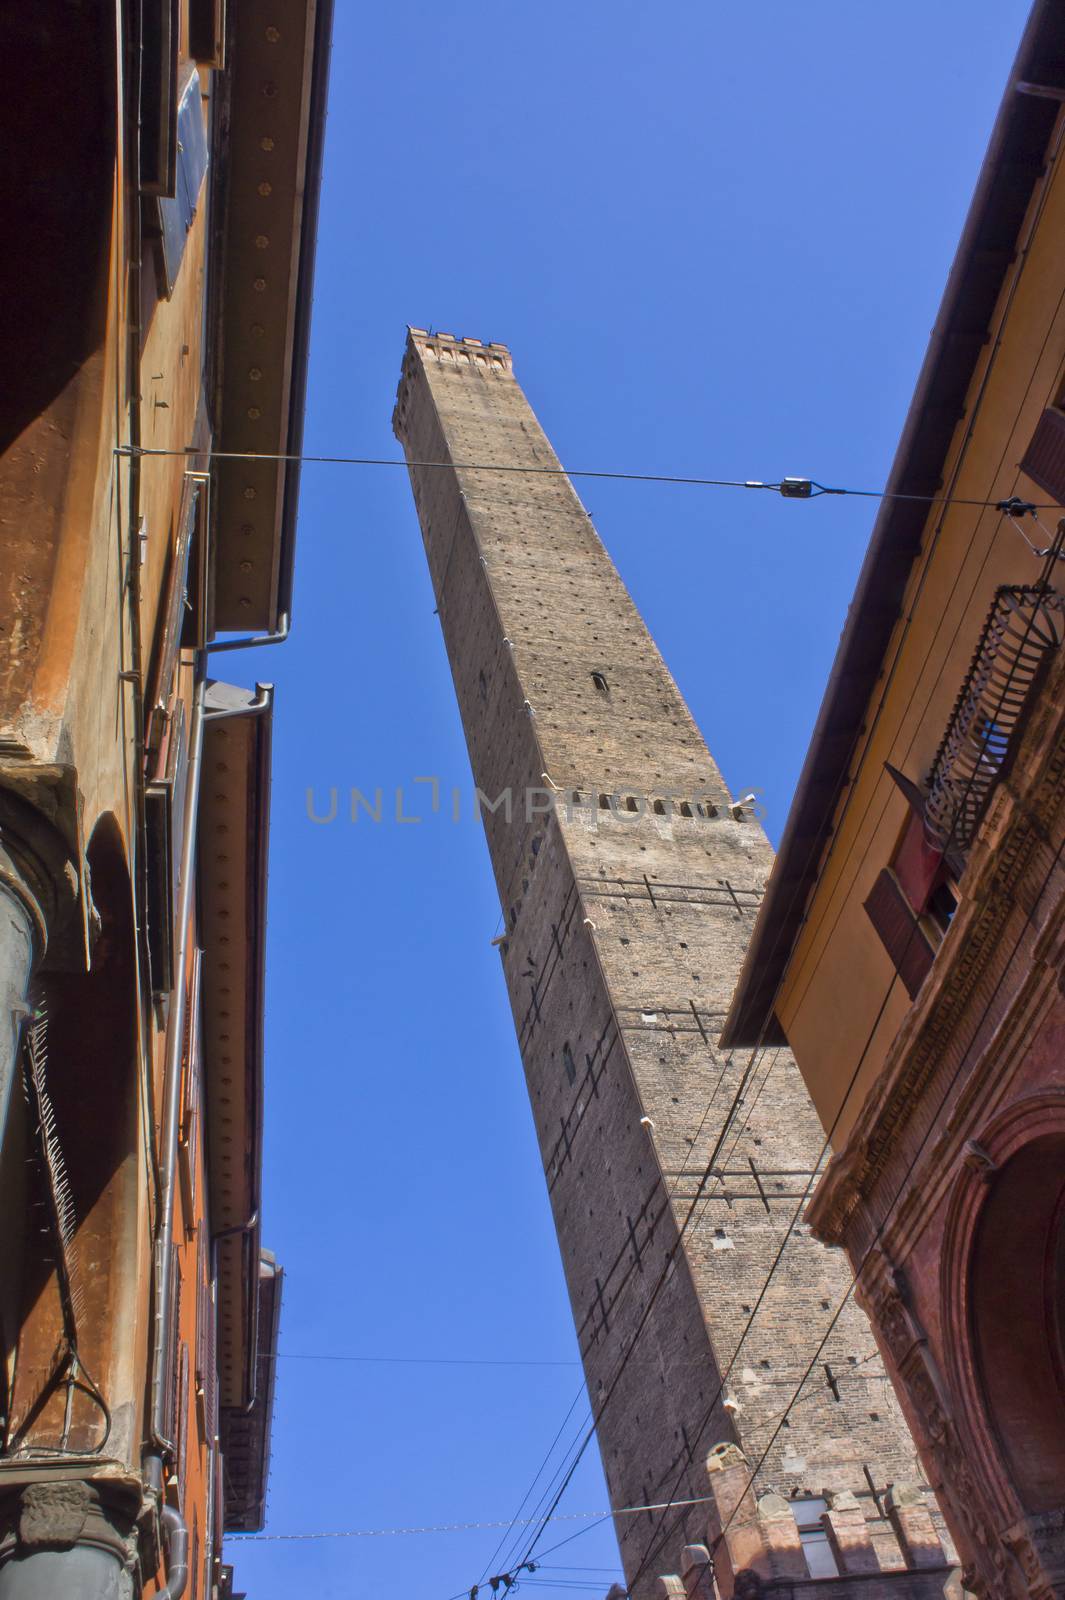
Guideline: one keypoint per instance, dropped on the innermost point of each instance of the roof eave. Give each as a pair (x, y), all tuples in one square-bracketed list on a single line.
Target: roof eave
[(232, 862), (265, 234)]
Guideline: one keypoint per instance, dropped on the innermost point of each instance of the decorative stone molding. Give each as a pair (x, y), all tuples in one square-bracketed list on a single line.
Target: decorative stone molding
[(1038, 1542)]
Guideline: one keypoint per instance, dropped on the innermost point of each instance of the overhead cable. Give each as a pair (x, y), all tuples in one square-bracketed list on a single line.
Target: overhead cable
[(455, 1527), (791, 488)]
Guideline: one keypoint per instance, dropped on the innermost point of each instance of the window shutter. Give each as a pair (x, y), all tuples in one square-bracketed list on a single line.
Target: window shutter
[(1044, 459), (899, 932), (917, 865)]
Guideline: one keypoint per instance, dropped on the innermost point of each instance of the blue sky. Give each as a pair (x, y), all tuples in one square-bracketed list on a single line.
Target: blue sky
[(715, 238)]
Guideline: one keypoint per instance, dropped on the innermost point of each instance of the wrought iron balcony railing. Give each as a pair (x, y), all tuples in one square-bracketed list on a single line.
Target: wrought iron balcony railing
[(1025, 625)]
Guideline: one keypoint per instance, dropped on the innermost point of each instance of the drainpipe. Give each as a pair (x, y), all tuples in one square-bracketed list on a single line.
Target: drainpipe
[(164, 1239), (164, 1280), (174, 1524), (177, 1554), (255, 640)]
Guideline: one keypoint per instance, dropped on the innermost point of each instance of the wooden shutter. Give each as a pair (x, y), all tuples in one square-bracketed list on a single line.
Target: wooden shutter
[(918, 865), (900, 933), (1044, 459)]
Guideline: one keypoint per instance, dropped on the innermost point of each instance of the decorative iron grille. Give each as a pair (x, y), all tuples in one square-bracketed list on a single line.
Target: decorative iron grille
[(1025, 624)]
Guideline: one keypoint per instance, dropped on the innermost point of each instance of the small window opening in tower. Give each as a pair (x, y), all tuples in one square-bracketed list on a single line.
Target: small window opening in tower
[(569, 1063), (659, 808), (599, 679), (808, 1512), (685, 809)]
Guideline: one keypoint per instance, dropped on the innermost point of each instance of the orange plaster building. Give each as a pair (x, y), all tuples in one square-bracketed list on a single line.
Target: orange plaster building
[(163, 165)]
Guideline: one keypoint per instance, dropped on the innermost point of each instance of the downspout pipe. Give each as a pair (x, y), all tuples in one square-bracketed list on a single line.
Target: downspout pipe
[(255, 640), (164, 1239), (173, 1522), (177, 1554), (164, 1277)]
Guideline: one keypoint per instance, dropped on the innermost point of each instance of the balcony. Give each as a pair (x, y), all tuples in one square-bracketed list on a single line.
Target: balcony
[(1024, 627)]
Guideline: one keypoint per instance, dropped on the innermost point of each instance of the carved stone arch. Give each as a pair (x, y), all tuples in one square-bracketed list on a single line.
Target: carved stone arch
[(1003, 1337)]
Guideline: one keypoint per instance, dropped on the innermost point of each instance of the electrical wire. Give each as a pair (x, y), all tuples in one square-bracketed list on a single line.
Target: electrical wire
[(789, 488), (455, 1527), (584, 1437), (597, 1412), (424, 1361)]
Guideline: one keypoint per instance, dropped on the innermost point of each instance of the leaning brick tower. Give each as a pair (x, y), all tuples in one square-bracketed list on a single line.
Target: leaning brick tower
[(629, 881)]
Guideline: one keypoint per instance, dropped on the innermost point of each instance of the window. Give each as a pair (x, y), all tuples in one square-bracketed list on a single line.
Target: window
[(599, 679), (176, 211), (569, 1064), (808, 1512)]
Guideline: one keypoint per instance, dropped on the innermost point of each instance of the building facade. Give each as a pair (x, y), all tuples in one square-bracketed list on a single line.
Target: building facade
[(910, 946), (162, 164), (629, 880)]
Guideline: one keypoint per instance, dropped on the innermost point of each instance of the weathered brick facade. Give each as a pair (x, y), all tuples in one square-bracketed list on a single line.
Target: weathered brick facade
[(629, 882)]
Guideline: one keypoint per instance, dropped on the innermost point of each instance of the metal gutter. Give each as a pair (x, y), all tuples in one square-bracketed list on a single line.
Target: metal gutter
[(323, 35), (226, 704), (1011, 169)]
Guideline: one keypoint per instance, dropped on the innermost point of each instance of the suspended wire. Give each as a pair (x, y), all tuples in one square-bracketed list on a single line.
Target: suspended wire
[(457, 1527), (790, 488), (425, 1361), (594, 1417), (597, 1413), (493, 1558)]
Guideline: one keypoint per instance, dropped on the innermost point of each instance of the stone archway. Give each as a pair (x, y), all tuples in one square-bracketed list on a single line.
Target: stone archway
[(1017, 1312)]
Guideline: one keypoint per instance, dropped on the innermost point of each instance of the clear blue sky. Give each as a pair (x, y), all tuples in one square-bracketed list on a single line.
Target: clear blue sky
[(715, 237)]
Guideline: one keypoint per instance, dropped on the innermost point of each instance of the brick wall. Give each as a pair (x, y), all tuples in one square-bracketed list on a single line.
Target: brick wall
[(626, 931)]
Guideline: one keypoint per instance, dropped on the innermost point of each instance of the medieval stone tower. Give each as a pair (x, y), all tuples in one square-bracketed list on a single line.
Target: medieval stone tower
[(629, 881)]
